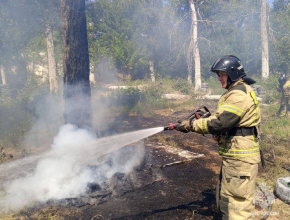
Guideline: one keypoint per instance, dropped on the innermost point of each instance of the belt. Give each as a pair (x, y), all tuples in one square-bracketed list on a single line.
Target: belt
[(242, 131)]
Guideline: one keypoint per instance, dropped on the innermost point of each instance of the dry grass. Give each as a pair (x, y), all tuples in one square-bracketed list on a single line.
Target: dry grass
[(275, 138), (166, 139)]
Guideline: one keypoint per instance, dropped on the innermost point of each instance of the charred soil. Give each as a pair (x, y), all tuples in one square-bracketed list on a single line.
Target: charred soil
[(165, 186)]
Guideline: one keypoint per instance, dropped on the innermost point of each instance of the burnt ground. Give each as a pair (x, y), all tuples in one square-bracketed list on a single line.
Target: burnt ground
[(164, 186)]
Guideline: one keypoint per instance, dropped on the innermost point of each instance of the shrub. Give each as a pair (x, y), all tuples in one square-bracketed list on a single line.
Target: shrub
[(183, 86), (134, 101), (16, 114), (152, 97), (271, 84)]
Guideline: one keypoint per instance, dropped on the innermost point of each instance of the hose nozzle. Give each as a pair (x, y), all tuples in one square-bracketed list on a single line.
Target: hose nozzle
[(170, 126)]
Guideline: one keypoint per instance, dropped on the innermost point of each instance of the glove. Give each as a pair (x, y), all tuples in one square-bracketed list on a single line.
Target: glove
[(183, 126), (216, 138), (279, 89), (200, 113)]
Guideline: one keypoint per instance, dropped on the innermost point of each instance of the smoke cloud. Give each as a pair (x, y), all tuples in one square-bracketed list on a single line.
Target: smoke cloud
[(48, 117), (58, 176), (66, 171), (76, 157)]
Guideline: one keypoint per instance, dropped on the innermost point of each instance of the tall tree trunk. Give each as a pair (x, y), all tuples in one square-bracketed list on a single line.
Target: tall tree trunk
[(92, 74), (189, 62), (76, 68), (3, 76), (195, 46), (264, 40), (152, 72), (51, 60)]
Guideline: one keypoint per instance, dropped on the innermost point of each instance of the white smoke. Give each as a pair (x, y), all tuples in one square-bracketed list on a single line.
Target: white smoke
[(58, 176), (65, 172), (48, 111), (128, 157)]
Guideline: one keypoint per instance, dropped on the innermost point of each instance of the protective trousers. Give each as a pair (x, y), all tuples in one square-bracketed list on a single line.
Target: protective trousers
[(237, 189), (284, 105)]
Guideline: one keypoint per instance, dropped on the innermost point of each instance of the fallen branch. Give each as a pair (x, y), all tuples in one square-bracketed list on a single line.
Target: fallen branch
[(283, 166), (175, 163)]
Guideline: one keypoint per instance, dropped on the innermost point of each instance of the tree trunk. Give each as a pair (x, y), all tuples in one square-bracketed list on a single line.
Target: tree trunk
[(92, 74), (76, 68), (195, 46), (3, 76), (152, 73), (189, 62), (51, 60), (264, 40)]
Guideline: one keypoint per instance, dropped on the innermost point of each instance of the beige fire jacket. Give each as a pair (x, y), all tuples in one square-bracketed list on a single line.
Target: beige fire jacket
[(286, 89), (238, 107)]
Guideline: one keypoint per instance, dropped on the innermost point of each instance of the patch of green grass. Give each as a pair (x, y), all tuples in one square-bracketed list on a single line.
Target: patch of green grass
[(279, 127), (271, 84), (274, 143), (274, 126), (271, 173)]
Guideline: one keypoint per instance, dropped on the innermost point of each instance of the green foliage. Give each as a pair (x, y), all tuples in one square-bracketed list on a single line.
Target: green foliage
[(110, 32), (28, 92), (138, 102), (278, 127), (150, 100), (280, 21), (125, 97), (271, 85), (132, 33), (16, 115), (275, 131), (152, 95), (14, 122), (183, 86)]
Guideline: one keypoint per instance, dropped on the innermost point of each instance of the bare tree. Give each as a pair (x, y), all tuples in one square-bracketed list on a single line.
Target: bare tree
[(153, 18), (51, 59), (76, 68), (3, 76), (152, 72), (264, 40), (195, 51)]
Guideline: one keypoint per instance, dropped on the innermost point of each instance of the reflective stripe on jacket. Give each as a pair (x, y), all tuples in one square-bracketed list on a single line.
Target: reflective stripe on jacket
[(286, 89), (238, 107)]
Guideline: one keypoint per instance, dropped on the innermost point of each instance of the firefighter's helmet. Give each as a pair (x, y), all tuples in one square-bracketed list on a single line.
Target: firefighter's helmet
[(231, 65), (282, 79)]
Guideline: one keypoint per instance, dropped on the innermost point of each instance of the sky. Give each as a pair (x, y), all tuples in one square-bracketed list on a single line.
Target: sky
[(270, 2)]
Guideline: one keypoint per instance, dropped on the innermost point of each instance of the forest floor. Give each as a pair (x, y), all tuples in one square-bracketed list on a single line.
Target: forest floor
[(170, 185)]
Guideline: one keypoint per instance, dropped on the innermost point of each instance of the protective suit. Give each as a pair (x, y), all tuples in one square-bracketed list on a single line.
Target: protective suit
[(284, 88), (235, 123)]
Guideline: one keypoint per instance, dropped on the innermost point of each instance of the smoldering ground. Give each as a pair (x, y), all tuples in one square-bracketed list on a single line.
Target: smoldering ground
[(76, 157)]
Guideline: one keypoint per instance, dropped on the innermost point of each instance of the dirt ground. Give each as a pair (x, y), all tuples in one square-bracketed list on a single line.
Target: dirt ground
[(167, 185)]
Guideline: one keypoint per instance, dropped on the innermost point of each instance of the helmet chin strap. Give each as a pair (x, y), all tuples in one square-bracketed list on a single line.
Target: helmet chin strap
[(229, 82)]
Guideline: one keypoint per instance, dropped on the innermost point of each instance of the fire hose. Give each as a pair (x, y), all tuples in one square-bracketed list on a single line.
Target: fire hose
[(201, 112)]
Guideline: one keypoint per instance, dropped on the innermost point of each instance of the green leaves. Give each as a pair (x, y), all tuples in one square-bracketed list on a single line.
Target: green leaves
[(133, 32)]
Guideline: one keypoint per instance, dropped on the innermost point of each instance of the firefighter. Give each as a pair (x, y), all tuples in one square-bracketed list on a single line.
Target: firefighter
[(284, 88), (235, 123)]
